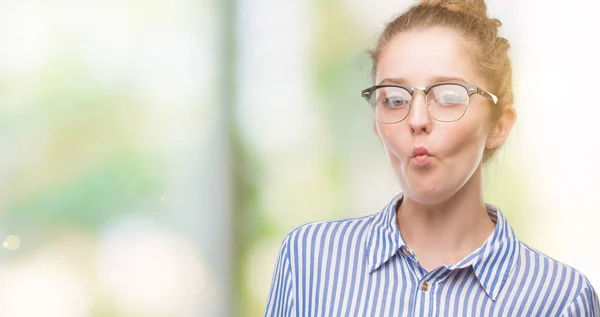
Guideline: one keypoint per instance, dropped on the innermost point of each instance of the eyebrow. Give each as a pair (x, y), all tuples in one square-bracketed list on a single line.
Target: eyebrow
[(433, 80)]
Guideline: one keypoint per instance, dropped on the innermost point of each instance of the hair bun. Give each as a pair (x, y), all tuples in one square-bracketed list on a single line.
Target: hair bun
[(476, 8)]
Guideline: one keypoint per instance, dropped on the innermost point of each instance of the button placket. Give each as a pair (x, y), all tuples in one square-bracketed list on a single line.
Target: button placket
[(425, 286), (425, 297), (427, 289)]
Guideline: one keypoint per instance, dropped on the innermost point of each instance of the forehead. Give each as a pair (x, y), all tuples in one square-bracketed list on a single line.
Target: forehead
[(418, 56)]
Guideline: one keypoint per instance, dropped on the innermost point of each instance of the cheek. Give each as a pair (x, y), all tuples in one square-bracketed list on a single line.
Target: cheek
[(464, 143), (397, 142), (393, 140)]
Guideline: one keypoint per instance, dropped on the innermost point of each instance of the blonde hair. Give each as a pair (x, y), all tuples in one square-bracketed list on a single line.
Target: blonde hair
[(469, 18)]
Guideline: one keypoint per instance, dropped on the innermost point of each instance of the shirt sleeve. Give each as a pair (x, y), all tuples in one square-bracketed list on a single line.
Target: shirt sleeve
[(584, 305), (280, 301)]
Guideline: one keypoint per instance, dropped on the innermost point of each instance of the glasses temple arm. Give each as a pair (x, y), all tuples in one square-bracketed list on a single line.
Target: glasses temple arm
[(488, 95)]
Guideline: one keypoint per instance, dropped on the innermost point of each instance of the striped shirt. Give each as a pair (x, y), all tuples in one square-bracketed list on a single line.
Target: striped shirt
[(362, 267)]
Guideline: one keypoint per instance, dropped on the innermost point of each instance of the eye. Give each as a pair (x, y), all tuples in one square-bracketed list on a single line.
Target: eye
[(449, 95), (450, 99), (396, 101), (393, 97)]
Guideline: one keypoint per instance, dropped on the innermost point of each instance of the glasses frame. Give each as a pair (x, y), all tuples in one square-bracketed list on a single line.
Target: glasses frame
[(471, 90)]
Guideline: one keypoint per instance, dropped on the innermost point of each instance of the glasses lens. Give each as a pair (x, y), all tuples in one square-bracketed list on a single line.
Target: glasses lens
[(447, 102), (390, 104)]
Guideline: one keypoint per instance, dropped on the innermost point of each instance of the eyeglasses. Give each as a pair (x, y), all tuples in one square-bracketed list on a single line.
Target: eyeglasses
[(446, 101)]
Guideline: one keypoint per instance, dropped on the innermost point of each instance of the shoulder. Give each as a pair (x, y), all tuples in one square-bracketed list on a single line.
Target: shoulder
[(316, 234), (540, 261), (558, 277), (544, 286)]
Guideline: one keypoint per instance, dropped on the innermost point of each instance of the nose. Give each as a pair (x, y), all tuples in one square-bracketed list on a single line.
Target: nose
[(419, 119)]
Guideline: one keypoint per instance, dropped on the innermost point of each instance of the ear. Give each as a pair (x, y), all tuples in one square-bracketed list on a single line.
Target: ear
[(501, 128)]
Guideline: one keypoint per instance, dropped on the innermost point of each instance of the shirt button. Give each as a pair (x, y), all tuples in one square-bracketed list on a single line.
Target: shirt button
[(406, 251), (424, 287)]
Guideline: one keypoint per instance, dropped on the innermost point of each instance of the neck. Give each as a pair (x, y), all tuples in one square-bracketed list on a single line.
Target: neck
[(445, 233)]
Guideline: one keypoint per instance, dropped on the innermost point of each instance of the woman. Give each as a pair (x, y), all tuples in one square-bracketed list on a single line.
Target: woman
[(443, 104)]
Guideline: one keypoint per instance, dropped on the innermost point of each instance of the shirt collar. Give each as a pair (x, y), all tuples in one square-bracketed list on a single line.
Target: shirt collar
[(383, 238), (492, 262)]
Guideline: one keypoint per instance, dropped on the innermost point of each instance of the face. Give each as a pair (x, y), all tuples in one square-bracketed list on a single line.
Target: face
[(418, 58)]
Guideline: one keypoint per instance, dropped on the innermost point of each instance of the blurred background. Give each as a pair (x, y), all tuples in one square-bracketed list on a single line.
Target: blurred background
[(155, 153)]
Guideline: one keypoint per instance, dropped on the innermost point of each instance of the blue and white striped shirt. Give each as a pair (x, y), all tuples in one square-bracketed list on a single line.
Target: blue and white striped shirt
[(362, 267)]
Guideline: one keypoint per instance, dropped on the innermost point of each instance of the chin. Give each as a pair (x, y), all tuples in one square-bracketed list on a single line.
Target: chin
[(427, 189), (426, 198), (431, 188)]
